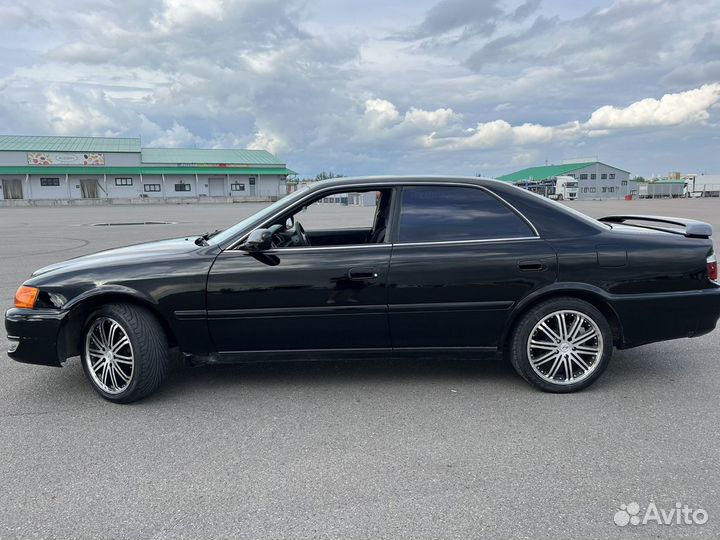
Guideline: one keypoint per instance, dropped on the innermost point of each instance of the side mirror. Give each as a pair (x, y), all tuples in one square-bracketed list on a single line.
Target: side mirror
[(259, 240)]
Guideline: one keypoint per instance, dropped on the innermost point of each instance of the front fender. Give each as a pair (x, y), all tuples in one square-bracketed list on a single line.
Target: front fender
[(112, 289)]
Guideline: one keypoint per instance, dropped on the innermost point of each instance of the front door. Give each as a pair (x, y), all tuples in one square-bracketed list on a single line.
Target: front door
[(461, 260), (311, 299), (12, 189), (251, 181), (89, 188), (216, 187)]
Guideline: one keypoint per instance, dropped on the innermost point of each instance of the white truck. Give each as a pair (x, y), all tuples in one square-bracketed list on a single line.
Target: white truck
[(566, 188)]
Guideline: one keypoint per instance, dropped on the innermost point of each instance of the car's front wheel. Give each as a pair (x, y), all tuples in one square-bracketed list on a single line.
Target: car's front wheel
[(561, 345), (124, 352)]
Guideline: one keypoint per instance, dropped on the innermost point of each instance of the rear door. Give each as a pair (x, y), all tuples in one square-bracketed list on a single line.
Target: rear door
[(461, 259)]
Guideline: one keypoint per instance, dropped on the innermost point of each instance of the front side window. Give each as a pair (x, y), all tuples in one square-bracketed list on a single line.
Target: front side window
[(440, 214), (336, 219)]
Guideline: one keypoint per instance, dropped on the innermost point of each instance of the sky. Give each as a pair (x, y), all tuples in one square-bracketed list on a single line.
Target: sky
[(376, 87)]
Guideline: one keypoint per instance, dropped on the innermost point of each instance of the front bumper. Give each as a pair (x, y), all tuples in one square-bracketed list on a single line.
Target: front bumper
[(34, 336)]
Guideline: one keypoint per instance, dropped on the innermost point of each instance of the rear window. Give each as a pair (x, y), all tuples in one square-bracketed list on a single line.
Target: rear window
[(440, 214)]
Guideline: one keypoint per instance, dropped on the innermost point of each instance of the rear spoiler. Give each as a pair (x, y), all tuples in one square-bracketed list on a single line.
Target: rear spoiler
[(693, 228)]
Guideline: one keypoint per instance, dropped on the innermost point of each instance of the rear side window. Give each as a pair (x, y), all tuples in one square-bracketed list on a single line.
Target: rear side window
[(441, 214)]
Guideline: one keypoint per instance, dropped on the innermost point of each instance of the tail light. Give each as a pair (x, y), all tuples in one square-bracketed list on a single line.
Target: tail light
[(712, 268), (25, 297)]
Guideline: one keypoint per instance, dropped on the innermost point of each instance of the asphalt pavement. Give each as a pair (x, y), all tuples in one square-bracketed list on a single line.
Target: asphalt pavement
[(364, 449)]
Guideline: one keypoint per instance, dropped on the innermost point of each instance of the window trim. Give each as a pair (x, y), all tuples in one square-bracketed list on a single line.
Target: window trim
[(387, 245), (396, 186)]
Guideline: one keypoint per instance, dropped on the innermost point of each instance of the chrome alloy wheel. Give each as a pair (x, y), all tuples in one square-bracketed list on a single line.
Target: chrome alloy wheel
[(565, 347), (109, 355)]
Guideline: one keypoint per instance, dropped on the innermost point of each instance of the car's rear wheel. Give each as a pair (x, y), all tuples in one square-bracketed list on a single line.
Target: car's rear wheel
[(561, 345), (124, 352)]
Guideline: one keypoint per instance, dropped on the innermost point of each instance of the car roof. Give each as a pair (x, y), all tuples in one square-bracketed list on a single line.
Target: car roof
[(404, 179)]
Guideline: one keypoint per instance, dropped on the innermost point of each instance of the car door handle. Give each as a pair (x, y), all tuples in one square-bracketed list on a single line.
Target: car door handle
[(531, 266), (362, 274)]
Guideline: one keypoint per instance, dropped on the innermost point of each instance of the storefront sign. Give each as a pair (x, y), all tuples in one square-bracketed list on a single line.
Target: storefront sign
[(65, 158)]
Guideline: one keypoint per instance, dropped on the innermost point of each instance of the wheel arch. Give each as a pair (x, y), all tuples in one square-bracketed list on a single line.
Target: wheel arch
[(81, 308), (589, 294)]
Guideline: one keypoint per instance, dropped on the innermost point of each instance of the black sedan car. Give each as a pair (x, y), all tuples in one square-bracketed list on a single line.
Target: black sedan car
[(443, 266)]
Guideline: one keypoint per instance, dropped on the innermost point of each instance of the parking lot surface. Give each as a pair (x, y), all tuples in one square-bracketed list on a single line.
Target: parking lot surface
[(360, 449)]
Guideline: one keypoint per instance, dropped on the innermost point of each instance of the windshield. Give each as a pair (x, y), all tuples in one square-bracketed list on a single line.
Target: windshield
[(571, 184), (266, 212)]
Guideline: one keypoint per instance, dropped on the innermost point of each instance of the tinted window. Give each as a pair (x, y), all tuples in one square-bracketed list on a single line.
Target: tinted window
[(436, 214)]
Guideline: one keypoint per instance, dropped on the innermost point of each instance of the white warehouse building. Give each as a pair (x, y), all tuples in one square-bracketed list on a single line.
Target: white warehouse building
[(66, 169), (596, 180)]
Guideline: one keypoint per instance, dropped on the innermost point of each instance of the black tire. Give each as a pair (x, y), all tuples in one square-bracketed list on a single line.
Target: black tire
[(519, 344), (150, 354)]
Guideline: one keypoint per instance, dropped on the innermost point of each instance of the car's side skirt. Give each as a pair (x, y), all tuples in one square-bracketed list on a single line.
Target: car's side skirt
[(231, 357)]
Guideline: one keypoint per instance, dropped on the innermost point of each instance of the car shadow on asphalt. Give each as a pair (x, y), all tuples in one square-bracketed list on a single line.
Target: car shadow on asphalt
[(485, 373), (344, 371)]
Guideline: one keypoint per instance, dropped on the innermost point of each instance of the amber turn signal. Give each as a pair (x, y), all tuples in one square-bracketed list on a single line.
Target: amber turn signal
[(25, 297)]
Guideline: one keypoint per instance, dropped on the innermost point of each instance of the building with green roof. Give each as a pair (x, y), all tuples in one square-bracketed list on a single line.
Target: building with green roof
[(67, 168), (596, 180)]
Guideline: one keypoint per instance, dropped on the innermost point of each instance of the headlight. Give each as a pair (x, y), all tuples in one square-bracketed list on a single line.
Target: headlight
[(25, 297)]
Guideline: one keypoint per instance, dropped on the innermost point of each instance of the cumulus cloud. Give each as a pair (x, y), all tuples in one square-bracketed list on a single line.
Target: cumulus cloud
[(689, 107), (670, 110), (382, 121), (380, 113), (271, 142), (175, 137)]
